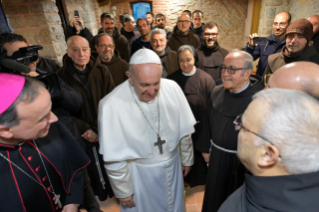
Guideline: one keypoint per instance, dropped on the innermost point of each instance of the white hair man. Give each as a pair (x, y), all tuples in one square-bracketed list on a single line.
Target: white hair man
[(160, 47), (278, 142), (227, 101), (142, 124)]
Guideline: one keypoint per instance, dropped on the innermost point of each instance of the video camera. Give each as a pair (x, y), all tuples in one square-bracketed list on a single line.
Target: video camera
[(16, 64)]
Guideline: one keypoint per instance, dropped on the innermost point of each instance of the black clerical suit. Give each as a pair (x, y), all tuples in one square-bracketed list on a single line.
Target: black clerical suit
[(64, 160), (293, 193), (225, 173)]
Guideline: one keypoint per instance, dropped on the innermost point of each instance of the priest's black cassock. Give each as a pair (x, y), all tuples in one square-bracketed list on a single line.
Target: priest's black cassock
[(197, 89), (293, 193), (225, 172), (64, 160)]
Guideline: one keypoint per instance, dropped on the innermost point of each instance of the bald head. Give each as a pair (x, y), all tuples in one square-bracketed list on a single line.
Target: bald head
[(183, 23), (302, 76), (314, 19), (79, 51)]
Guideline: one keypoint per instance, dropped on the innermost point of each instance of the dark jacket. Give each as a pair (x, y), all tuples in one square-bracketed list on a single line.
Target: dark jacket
[(176, 40), (278, 60), (315, 40), (120, 42), (293, 193), (130, 36), (199, 32), (263, 51), (209, 59), (117, 67), (138, 43), (71, 31), (99, 84), (47, 65)]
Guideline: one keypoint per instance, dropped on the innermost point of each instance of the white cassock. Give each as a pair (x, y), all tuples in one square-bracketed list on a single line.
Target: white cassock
[(134, 164)]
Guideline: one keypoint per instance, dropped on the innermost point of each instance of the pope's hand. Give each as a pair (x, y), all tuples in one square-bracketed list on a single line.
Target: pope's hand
[(129, 201), (70, 208), (186, 170), (90, 136)]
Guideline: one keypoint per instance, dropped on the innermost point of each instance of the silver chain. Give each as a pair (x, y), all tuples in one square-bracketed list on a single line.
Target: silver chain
[(52, 192), (144, 114)]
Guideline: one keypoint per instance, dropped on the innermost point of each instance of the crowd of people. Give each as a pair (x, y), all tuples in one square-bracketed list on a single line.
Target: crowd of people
[(140, 114)]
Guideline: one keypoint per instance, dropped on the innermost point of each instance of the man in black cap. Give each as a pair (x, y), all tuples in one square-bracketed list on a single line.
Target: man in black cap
[(297, 47)]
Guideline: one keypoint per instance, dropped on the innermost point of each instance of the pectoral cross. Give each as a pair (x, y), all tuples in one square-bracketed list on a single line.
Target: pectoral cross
[(160, 143), (57, 200)]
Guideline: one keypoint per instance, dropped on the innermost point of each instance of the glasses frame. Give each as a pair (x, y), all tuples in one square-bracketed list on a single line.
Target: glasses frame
[(238, 122), (103, 47), (231, 72)]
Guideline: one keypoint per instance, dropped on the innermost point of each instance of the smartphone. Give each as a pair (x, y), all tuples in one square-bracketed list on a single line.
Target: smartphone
[(76, 13), (260, 40)]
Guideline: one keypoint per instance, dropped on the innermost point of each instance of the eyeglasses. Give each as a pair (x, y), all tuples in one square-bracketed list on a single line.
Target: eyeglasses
[(231, 69), (183, 21), (103, 47), (239, 125), (214, 35), (281, 24)]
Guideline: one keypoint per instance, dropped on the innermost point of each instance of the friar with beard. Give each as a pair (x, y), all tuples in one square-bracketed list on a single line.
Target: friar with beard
[(183, 34), (210, 54), (168, 57), (121, 43), (110, 57), (160, 23)]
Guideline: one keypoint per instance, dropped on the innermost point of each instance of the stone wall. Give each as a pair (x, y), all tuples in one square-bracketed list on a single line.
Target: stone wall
[(229, 15), (39, 22), (297, 8)]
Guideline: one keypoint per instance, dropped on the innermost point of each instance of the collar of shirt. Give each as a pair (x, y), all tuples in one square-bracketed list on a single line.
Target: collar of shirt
[(242, 89), (190, 74)]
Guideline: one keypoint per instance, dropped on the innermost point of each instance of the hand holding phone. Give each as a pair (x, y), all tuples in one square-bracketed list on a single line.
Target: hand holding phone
[(260, 40)]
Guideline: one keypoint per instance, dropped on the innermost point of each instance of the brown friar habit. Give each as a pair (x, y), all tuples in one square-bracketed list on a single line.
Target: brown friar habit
[(197, 89), (117, 66), (130, 36), (225, 173), (120, 42), (176, 39), (210, 58), (169, 60), (99, 83), (278, 60)]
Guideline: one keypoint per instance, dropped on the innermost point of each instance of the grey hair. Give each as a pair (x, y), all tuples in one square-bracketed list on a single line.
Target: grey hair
[(187, 48), (291, 124), (248, 61), (158, 31), (30, 91)]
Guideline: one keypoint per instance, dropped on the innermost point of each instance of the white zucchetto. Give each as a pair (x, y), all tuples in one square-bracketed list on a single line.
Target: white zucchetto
[(143, 56)]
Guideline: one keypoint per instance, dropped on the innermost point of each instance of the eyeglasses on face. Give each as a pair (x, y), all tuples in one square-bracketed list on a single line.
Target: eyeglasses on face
[(230, 69), (183, 21), (103, 47), (281, 24), (239, 125), (214, 35)]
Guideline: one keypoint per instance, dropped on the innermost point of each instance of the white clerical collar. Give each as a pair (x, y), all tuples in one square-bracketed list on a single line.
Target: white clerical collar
[(242, 89), (190, 74)]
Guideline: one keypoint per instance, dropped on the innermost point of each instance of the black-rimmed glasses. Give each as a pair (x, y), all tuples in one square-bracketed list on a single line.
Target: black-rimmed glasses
[(230, 69), (239, 125)]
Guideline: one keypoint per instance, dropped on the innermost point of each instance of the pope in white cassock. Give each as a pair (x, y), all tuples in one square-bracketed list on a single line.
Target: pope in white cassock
[(144, 132)]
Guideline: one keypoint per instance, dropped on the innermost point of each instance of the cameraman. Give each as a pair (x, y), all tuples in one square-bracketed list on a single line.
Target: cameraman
[(63, 105), (77, 27)]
